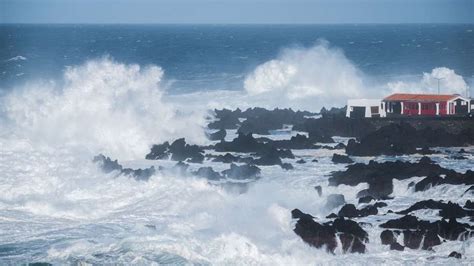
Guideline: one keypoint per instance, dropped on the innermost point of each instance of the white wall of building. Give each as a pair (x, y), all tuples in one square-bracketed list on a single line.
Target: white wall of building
[(367, 103)]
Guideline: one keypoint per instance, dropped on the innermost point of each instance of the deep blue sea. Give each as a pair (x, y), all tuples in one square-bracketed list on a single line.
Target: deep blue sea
[(207, 57)]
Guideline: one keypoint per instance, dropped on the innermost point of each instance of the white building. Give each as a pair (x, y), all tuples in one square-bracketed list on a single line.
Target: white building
[(359, 108)]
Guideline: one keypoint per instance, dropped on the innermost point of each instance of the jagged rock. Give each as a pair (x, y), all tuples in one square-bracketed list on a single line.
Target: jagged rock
[(227, 119), (447, 210), (242, 172), (455, 254), (430, 240), (349, 210), (469, 205), (451, 230), (397, 139), (387, 237), (314, 160), (366, 199), (287, 166), (297, 214), (218, 135), (159, 151), (334, 201), (178, 150), (247, 143), (315, 234), (319, 189), (181, 168), (412, 239), (301, 161), (227, 158), (332, 216), (396, 246), (108, 166), (379, 175), (350, 233), (337, 158), (340, 146), (208, 172), (452, 178), (269, 157)]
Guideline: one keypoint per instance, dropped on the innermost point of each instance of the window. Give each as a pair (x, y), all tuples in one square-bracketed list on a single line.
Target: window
[(374, 109)]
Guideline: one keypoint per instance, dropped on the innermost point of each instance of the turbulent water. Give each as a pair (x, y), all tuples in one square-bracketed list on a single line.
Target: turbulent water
[(69, 92)]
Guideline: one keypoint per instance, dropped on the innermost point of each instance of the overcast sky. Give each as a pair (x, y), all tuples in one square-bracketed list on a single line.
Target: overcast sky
[(237, 11)]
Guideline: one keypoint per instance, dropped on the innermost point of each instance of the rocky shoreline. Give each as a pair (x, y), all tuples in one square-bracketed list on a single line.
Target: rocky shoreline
[(340, 227)]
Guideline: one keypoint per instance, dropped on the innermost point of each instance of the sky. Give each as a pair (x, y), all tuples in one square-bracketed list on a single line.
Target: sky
[(237, 11)]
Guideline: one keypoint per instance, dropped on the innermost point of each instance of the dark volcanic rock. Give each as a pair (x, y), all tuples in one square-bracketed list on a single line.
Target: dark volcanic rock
[(218, 135), (107, 165), (287, 166), (416, 230), (301, 161), (227, 119), (366, 199), (379, 175), (387, 237), (247, 143), (412, 239), (349, 210), (208, 172), (159, 151), (297, 214), (396, 246), (178, 150), (242, 172), (351, 235), (396, 139), (451, 177), (315, 234), (455, 254), (227, 158), (447, 210), (337, 158), (469, 205)]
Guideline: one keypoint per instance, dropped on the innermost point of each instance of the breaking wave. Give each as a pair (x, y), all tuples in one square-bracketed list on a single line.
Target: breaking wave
[(323, 75), (102, 106)]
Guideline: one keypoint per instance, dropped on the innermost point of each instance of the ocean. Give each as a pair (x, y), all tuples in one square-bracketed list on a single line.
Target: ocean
[(70, 92)]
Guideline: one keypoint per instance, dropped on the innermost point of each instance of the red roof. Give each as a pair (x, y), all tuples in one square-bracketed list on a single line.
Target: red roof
[(420, 97)]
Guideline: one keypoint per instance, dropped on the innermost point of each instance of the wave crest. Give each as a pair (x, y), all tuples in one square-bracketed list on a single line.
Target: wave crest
[(103, 106)]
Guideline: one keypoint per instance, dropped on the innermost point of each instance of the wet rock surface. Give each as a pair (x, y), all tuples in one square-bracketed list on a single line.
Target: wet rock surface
[(380, 176), (397, 139), (350, 234), (177, 151), (108, 166), (338, 158)]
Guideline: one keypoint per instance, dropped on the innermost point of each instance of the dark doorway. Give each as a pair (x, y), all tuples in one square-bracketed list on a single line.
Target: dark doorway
[(358, 112), (460, 109), (397, 107)]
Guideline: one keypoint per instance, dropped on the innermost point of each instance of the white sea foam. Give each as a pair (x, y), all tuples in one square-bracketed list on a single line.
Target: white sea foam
[(101, 106), (16, 58), (322, 75)]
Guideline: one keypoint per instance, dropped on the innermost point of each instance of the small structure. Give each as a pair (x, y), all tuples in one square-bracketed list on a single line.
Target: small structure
[(426, 104), (360, 108)]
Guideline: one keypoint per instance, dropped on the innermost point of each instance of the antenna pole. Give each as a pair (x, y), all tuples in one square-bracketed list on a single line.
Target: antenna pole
[(438, 82)]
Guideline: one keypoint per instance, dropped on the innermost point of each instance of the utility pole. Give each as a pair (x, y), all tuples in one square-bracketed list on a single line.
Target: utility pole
[(438, 82)]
